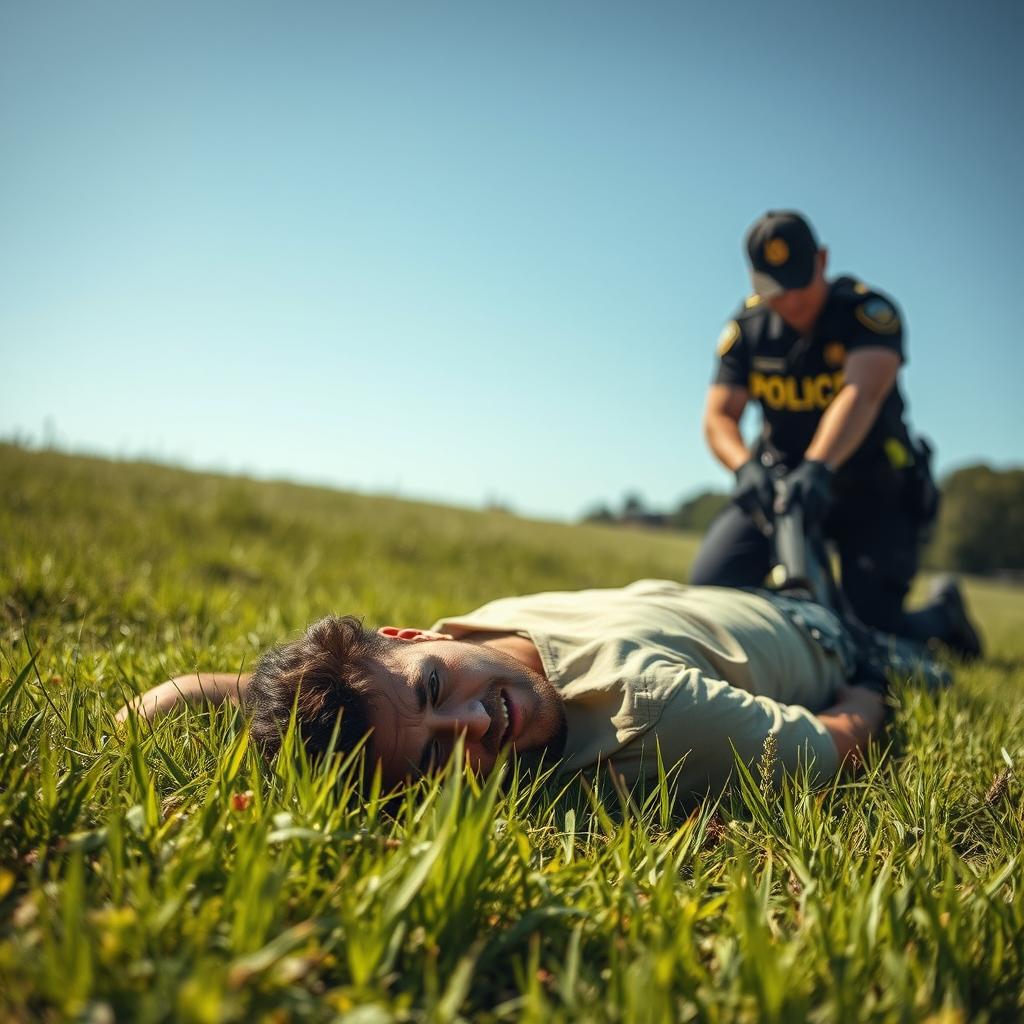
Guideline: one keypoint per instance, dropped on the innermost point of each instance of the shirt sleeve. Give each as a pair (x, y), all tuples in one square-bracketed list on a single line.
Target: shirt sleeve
[(875, 322), (704, 719), (733, 361)]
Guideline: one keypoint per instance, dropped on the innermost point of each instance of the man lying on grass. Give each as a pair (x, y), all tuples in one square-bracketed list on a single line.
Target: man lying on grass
[(579, 678)]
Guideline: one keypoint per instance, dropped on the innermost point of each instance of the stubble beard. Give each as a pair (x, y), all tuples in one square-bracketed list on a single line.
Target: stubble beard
[(547, 722)]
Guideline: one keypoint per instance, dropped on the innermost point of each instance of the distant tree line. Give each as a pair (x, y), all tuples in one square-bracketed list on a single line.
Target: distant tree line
[(981, 525), (980, 528), (693, 514)]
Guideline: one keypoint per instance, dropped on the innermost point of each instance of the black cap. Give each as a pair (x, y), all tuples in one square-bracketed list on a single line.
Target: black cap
[(781, 248)]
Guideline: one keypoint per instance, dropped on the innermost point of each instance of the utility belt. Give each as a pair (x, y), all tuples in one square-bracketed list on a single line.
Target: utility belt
[(925, 495)]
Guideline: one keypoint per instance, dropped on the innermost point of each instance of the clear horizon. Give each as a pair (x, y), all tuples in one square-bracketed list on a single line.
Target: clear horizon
[(482, 256)]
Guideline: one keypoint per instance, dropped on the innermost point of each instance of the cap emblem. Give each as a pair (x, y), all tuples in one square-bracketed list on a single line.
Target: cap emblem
[(776, 252)]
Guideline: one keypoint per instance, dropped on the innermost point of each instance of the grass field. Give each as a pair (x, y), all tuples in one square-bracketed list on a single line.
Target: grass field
[(169, 874)]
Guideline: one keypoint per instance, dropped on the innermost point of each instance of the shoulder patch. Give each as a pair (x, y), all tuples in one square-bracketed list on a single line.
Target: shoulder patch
[(878, 315), (751, 301), (729, 336)]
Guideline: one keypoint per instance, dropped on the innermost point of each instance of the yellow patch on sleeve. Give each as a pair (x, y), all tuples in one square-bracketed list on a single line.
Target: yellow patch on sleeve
[(878, 316), (751, 301), (729, 336), (896, 451)]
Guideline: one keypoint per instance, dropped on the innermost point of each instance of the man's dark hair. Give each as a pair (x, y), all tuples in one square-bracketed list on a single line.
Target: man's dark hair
[(324, 674)]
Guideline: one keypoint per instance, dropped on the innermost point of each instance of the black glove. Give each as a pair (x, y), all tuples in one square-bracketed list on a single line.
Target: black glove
[(755, 489), (809, 487)]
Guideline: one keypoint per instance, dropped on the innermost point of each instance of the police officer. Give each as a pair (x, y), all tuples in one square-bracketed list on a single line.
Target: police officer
[(822, 358)]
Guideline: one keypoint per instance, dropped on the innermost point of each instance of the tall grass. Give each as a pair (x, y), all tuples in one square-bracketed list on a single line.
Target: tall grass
[(168, 873)]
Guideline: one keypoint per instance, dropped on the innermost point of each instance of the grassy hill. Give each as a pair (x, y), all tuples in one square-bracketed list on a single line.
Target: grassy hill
[(169, 874)]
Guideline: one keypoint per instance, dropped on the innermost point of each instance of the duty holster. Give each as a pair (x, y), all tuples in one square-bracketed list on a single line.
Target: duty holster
[(924, 495)]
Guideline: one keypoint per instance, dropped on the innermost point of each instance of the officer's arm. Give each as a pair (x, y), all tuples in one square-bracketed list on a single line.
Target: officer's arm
[(869, 376), (722, 412), (857, 715)]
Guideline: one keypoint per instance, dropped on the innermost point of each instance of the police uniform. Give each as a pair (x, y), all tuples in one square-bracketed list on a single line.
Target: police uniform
[(876, 515), (795, 379)]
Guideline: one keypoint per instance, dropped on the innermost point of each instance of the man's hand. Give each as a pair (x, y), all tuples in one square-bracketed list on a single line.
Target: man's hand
[(809, 486), (755, 489), (857, 715)]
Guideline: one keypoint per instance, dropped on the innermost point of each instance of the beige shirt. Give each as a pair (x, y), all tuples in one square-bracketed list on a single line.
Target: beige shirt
[(692, 670)]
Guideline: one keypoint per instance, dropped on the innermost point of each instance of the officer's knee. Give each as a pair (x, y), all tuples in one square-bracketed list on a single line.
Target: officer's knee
[(718, 567), (706, 572), (734, 553)]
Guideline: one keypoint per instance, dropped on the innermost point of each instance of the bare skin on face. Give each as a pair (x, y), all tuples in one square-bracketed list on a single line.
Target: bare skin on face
[(801, 307), (431, 689)]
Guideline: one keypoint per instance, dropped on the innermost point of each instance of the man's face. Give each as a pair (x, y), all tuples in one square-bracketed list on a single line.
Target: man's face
[(801, 307), (430, 689)]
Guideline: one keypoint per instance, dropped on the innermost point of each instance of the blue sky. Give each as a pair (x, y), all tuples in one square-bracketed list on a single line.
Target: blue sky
[(480, 252)]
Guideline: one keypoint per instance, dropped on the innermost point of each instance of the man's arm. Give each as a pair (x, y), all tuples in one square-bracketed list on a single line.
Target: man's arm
[(722, 413), (857, 715), (705, 723), (869, 377), (213, 687)]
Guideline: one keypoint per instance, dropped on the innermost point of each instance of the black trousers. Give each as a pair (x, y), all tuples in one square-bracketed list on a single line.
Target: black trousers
[(876, 532)]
